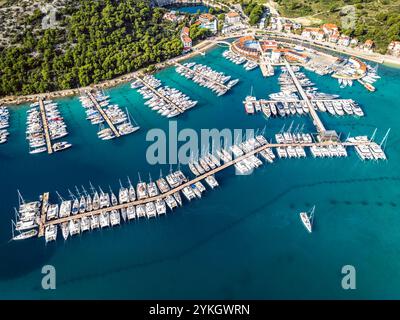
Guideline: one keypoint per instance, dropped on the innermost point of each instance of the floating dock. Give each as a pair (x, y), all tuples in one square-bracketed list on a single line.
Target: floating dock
[(45, 126), (103, 114)]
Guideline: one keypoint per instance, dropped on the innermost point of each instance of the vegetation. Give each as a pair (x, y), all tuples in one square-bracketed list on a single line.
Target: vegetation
[(198, 33), (378, 20), (101, 39), (254, 11)]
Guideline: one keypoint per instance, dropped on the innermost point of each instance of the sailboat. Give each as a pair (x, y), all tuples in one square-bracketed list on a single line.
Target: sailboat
[(308, 219), (22, 235)]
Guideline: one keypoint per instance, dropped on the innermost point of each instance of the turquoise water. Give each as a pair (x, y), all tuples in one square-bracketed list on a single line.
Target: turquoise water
[(190, 8), (242, 240)]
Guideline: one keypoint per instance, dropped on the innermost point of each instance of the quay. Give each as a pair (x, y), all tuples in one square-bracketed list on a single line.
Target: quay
[(44, 223), (161, 96), (202, 75), (45, 126), (316, 120), (103, 114)]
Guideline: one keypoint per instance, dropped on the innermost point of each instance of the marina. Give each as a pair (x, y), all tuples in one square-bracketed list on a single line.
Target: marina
[(4, 124), (256, 214), (150, 202), (206, 77), (169, 102), (98, 109), (45, 124)]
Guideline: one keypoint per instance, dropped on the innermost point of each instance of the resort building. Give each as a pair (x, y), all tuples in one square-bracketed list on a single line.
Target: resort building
[(247, 46), (394, 48), (276, 56), (208, 21), (232, 17)]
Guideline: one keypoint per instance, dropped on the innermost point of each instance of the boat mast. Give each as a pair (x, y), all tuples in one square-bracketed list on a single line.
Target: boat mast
[(373, 135), (59, 196), (140, 180), (129, 181), (12, 228), (383, 142), (311, 217), (92, 188), (20, 199), (84, 191), (71, 194), (77, 191)]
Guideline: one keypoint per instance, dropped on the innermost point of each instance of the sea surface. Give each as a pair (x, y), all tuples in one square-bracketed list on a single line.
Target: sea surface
[(241, 240), (190, 8)]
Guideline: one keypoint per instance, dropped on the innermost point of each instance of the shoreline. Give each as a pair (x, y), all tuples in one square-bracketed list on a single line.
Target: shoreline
[(15, 101), (196, 50)]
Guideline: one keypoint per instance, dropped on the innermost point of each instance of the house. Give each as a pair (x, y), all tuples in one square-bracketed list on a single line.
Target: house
[(334, 37), (232, 17), (173, 16), (296, 26), (368, 44), (344, 40), (287, 27), (329, 28), (186, 40), (313, 34), (394, 48), (354, 42)]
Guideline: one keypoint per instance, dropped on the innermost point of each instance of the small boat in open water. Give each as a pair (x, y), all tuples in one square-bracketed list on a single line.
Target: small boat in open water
[(308, 219)]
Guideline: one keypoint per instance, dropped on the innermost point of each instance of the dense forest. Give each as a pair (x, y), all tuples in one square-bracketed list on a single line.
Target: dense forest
[(378, 20), (97, 40)]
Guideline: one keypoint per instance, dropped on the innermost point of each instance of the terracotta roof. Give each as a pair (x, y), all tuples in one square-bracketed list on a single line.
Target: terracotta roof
[(369, 42), (186, 39), (207, 16), (330, 26), (232, 14), (185, 30)]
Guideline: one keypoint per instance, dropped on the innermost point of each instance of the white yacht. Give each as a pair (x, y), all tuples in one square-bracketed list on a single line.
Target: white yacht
[(308, 219)]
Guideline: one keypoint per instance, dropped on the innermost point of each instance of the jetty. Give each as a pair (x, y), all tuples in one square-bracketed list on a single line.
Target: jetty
[(201, 74), (45, 126), (43, 223), (158, 94), (316, 120), (103, 114)]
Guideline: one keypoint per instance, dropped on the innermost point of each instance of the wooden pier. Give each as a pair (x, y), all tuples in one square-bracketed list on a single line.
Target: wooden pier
[(161, 96), (203, 75), (103, 114), (43, 212), (44, 223), (316, 120), (45, 126)]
